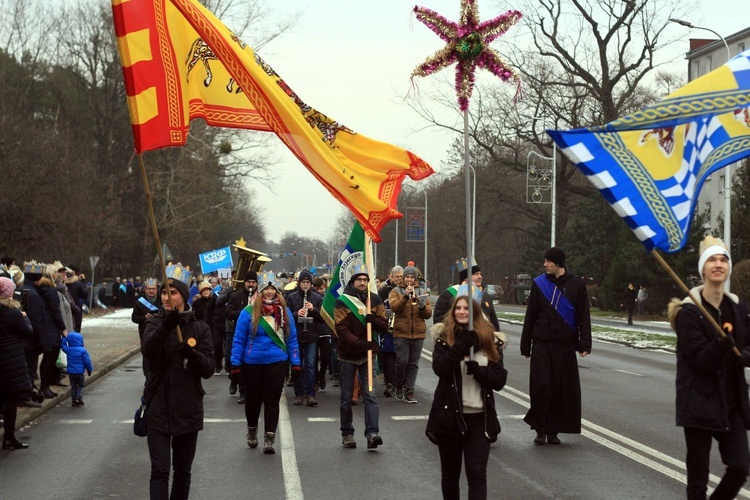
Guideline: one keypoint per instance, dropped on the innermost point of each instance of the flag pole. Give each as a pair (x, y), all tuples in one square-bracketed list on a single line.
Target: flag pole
[(155, 230), (368, 260), (469, 250), (696, 300)]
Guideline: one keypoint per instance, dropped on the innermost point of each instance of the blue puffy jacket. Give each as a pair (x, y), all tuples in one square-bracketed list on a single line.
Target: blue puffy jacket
[(257, 348), (78, 357)]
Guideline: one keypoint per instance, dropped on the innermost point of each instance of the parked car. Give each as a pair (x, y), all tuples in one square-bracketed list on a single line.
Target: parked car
[(495, 292)]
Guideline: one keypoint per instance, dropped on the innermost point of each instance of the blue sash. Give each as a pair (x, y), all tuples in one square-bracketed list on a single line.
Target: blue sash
[(149, 305), (558, 301)]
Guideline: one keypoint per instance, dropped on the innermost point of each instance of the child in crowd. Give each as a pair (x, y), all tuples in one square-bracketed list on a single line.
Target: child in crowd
[(78, 361)]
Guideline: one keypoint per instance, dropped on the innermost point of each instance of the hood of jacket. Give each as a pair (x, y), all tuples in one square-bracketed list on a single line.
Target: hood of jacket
[(676, 304), (75, 339)]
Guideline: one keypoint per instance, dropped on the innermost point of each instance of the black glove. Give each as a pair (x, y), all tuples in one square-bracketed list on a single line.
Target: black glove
[(186, 351), (745, 358), (170, 320), (89, 371), (370, 345), (370, 318), (466, 342), (476, 371), (296, 372), (726, 342)]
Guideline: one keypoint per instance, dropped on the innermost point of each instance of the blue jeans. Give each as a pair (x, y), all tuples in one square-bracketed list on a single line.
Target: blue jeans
[(76, 385), (346, 377), (305, 385), (408, 352)]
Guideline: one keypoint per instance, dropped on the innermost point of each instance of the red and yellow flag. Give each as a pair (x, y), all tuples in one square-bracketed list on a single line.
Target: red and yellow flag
[(180, 62)]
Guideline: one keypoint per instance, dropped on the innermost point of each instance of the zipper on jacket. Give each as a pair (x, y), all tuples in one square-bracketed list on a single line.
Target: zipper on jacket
[(460, 403)]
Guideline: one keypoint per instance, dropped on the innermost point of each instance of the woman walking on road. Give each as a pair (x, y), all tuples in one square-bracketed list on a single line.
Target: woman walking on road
[(265, 343), (712, 394), (463, 421), (174, 389)]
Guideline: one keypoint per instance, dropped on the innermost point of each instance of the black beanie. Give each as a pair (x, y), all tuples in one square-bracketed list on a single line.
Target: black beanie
[(251, 275), (462, 275), (556, 256), (180, 286), (305, 275)]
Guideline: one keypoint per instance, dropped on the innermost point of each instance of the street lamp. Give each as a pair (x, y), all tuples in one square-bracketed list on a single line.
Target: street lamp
[(474, 214), (424, 192), (728, 174), (552, 179)]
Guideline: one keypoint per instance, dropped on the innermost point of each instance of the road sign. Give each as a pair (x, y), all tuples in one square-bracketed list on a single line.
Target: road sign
[(93, 260)]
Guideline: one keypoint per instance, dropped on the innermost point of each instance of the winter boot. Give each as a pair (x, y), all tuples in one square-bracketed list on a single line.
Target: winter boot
[(268, 439), (252, 437)]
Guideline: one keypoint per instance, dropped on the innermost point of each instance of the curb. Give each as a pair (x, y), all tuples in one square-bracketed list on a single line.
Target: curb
[(48, 404)]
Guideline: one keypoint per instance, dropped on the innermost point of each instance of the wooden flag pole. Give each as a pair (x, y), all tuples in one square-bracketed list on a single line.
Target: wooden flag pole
[(696, 300), (368, 261), (155, 230)]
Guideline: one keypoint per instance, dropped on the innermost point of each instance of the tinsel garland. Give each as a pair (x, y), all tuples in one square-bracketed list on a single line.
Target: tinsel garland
[(468, 45)]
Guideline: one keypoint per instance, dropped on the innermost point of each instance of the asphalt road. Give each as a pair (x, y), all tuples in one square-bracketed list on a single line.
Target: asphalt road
[(629, 448)]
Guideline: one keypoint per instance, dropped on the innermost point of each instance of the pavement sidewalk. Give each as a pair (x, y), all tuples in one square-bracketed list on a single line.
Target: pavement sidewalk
[(111, 340)]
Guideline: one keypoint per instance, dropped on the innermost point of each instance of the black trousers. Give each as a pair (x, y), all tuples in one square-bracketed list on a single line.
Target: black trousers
[(48, 368), (734, 454), (263, 386), (388, 366), (474, 450), (9, 403), (324, 355), (177, 452)]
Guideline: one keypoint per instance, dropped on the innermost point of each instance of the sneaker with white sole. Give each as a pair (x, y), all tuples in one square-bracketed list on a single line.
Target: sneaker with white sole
[(400, 393), (410, 397)]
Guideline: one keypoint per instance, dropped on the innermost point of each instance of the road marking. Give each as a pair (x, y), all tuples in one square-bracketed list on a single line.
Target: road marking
[(629, 373), (292, 481), (75, 421), (411, 417), (223, 420), (522, 399), (322, 419)]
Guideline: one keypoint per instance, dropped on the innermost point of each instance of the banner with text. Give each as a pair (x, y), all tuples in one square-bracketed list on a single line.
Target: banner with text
[(221, 258)]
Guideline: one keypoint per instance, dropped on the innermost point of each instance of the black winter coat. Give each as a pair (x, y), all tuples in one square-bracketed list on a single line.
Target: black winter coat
[(706, 370), (54, 324), (544, 324), (216, 311), (174, 386), (14, 328), (35, 313), (295, 301), (446, 415)]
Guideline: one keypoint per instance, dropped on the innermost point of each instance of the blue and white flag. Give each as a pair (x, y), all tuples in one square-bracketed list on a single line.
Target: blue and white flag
[(651, 165), (214, 260)]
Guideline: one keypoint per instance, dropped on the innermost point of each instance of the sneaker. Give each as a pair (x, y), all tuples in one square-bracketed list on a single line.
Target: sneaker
[(349, 442), (399, 393), (410, 397), (373, 441), (75, 403), (389, 390), (298, 401), (311, 401)]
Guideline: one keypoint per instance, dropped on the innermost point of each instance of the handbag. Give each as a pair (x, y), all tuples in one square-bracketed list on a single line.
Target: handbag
[(140, 421)]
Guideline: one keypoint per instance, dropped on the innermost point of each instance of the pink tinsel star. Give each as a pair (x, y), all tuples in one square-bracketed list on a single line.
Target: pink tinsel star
[(468, 44)]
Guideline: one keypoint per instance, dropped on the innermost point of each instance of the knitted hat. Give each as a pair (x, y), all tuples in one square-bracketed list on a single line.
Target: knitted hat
[(251, 275), (464, 273), (411, 270), (180, 286), (556, 256), (305, 275), (7, 287), (709, 247)]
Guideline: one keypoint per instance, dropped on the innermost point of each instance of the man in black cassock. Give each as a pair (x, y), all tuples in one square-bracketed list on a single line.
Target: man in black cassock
[(557, 325)]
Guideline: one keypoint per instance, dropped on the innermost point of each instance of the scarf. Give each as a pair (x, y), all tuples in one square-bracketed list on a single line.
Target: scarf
[(272, 307)]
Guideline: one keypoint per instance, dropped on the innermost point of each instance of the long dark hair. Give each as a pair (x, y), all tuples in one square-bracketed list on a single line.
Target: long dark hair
[(485, 331)]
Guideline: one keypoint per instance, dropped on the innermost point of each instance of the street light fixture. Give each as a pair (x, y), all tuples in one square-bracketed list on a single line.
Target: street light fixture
[(424, 192), (728, 174), (552, 179)]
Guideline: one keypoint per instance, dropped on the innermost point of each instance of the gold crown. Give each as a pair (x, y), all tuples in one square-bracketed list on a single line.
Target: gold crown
[(462, 264), (151, 282), (710, 241), (34, 267), (179, 272), (266, 279)]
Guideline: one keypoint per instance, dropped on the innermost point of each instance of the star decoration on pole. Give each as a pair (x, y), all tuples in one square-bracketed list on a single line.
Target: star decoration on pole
[(468, 44)]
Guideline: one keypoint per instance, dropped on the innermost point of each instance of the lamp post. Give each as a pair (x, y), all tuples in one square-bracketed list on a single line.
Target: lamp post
[(728, 173), (424, 192), (395, 246), (473, 214), (552, 177)]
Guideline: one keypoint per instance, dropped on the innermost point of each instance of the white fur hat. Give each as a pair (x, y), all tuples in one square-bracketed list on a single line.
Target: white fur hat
[(709, 247)]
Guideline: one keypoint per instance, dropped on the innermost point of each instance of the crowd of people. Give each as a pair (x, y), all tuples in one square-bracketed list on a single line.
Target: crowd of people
[(265, 331)]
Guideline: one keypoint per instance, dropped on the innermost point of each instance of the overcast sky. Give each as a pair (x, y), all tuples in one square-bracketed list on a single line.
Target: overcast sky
[(352, 60)]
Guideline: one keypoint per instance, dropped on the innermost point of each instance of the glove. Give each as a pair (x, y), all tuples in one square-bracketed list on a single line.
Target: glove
[(186, 351), (234, 374), (422, 303), (745, 358), (472, 367), (726, 342), (465, 343), (370, 318), (89, 371), (296, 372), (370, 346), (171, 320)]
